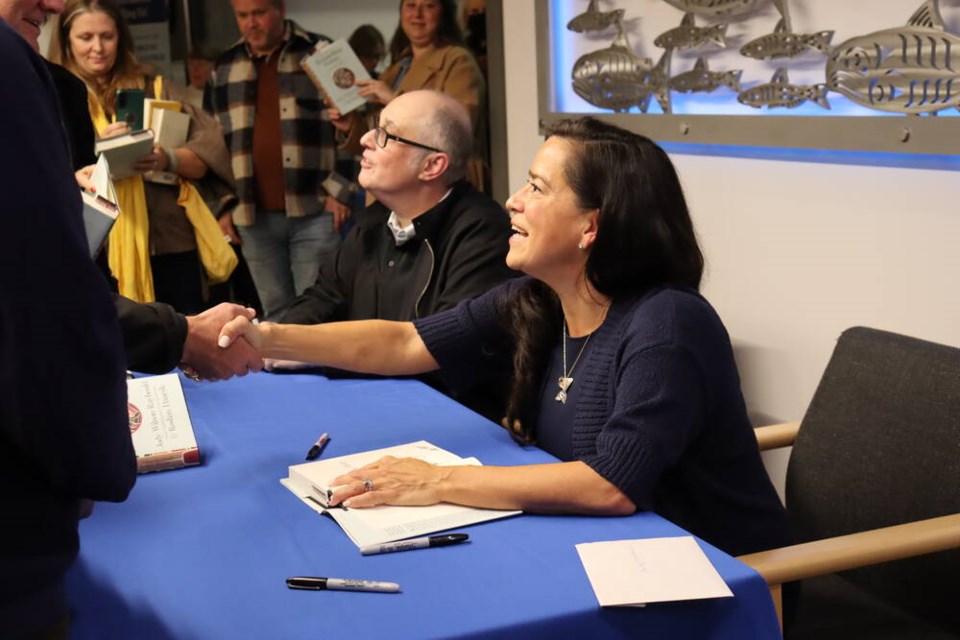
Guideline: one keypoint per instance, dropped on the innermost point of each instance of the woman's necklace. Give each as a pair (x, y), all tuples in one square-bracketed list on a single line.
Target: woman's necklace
[(566, 379)]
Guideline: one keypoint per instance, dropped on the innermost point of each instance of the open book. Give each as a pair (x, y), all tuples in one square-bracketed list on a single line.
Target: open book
[(335, 69), (376, 525), (100, 210), (170, 128), (159, 424)]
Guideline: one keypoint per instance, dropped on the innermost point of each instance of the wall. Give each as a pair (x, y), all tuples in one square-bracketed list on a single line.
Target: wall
[(338, 18), (796, 251)]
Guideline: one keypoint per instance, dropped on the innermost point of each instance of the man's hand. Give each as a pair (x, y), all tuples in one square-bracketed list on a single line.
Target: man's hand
[(229, 230), (201, 355), (339, 210), (84, 176)]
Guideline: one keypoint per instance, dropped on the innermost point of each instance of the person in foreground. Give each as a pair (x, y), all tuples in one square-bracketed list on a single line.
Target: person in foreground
[(620, 368), (64, 431)]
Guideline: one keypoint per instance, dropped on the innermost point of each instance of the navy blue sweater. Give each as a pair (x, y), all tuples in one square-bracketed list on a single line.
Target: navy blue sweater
[(64, 434), (659, 414)]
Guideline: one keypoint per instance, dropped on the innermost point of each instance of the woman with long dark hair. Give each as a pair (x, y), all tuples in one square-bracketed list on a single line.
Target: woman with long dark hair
[(620, 368)]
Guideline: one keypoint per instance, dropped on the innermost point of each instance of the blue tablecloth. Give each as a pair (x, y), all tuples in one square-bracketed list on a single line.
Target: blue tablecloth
[(203, 552)]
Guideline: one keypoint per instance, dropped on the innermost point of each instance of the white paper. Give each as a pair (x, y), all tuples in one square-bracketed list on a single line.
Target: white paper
[(637, 572), (376, 525)]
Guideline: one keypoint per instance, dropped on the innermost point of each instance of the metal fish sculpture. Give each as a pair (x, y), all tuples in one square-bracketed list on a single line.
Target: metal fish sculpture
[(783, 43), (615, 78), (595, 20), (700, 79), (913, 69), (713, 8), (780, 93), (690, 36)]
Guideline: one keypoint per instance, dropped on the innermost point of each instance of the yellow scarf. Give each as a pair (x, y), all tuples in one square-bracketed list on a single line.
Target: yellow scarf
[(129, 247)]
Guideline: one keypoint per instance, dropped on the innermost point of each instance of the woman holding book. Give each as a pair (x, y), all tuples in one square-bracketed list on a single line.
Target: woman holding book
[(620, 368), (427, 52), (166, 236)]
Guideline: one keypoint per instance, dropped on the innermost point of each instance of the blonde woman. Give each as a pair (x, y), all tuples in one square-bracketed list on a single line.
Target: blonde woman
[(166, 238)]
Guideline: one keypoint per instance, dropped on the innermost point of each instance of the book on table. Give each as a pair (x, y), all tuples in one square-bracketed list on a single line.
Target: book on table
[(160, 425), (385, 523), (100, 209), (335, 69), (123, 151)]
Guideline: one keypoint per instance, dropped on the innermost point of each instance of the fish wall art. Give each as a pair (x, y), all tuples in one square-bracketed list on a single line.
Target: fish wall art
[(616, 78), (689, 36), (713, 8), (783, 43), (595, 20), (913, 69), (780, 93), (701, 80)]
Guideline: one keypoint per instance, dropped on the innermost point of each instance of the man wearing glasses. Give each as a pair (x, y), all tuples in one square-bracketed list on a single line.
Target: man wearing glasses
[(428, 242)]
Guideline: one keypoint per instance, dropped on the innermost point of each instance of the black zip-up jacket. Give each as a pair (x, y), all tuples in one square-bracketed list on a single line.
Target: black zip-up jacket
[(458, 252)]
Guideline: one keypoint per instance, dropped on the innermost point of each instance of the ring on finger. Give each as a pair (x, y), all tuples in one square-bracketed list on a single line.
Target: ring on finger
[(367, 484)]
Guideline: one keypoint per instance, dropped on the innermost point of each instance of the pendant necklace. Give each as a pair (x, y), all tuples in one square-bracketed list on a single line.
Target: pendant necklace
[(566, 379)]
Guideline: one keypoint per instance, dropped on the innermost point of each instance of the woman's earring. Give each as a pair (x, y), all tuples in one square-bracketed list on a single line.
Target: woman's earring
[(580, 246)]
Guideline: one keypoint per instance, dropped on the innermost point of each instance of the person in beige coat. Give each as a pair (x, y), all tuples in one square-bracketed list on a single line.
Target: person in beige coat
[(427, 52)]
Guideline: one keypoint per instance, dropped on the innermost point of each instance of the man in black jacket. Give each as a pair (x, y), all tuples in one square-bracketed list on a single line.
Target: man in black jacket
[(430, 240)]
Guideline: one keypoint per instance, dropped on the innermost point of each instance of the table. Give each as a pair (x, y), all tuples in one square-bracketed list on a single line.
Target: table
[(203, 552)]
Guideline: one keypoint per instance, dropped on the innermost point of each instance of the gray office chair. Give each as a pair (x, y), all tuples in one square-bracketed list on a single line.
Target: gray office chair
[(873, 491)]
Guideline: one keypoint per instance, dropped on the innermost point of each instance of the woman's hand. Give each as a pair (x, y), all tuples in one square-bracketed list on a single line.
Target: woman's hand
[(156, 160), (376, 91), (389, 480), (241, 327), (115, 129), (340, 121)]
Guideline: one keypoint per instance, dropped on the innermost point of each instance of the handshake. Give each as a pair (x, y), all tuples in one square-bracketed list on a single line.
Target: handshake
[(204, 359)]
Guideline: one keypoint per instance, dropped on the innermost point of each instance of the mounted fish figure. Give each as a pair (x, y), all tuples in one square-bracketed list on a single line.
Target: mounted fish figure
[(701, 80), (912, 69), (615, 78), (713, 8), (595, 20), (780, 93), (783, 43), (690, 36)]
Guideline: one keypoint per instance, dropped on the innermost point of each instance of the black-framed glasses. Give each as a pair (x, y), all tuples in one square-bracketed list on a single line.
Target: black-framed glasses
[(381, 136)]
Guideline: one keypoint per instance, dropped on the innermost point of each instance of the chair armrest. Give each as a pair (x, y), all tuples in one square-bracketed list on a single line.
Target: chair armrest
[(775, 436), (856, 550)]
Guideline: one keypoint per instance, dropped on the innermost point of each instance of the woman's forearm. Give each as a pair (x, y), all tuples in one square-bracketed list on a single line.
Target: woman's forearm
[(565, 488), (366, 346)]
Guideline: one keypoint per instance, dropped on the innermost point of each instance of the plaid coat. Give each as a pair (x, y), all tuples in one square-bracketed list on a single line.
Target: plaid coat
[(308, 146)]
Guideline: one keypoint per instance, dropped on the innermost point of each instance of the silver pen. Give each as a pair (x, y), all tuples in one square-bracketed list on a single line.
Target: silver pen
[(341, 584)]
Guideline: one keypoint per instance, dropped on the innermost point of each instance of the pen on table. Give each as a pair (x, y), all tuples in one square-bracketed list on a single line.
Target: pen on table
[(415, 543), (339, 584), (318, 446)]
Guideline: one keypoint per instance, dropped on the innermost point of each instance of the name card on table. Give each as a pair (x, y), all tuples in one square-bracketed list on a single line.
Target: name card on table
[(636, 572)]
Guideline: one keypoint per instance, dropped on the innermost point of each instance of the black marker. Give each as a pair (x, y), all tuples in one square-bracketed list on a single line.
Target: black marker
[(339, 584), (318, 446), (415, 543)]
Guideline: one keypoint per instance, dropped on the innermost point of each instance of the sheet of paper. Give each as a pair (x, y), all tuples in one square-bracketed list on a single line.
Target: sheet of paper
[(637, 572)]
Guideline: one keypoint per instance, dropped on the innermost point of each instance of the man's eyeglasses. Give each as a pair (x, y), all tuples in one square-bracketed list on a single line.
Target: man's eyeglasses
[(381, 136)]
